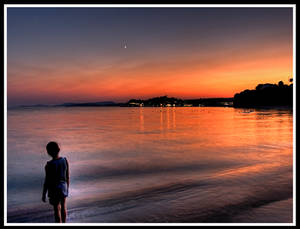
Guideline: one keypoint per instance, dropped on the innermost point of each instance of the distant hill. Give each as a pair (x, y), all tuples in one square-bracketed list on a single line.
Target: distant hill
[(95, 104), (265, 95), (165, 101), (156, 101)]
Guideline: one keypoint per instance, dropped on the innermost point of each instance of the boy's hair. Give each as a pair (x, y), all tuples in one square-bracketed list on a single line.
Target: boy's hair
[(52, 149)]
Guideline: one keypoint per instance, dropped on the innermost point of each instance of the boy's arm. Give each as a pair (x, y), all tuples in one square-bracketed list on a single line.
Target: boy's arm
[(45, 187), (68, 174)]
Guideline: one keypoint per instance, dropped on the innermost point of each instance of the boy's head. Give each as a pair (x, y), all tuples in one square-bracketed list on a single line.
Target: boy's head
[(53, 149)]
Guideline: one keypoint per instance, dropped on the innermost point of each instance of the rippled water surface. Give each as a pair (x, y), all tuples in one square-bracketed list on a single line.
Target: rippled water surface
[(162, 165)]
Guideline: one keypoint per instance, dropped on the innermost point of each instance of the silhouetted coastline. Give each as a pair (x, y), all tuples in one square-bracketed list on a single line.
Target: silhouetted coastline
[(265, 95), (165, 101), (162, 101)]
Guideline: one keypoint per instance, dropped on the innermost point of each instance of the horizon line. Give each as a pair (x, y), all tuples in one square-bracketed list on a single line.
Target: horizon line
[(111, 101)]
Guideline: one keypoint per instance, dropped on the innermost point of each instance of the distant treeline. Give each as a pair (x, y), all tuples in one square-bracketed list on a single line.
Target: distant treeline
[(265, 95), (156, 101), (165, 101), (162, 101)]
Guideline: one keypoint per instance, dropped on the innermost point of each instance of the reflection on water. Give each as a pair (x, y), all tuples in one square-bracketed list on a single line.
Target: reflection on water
[(155, 164), (141, 119)]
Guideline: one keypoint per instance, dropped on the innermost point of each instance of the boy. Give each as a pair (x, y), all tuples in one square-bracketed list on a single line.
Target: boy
[(56, 182)]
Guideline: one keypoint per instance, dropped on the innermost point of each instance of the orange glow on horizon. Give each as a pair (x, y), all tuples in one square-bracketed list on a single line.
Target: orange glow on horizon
[(185, 77)]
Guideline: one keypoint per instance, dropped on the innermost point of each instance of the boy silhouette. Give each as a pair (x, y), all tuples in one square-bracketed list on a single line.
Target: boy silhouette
[(56, 182)]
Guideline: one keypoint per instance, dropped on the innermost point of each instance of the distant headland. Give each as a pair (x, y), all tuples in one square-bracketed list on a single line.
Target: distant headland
[(165, 101), (265, 95)]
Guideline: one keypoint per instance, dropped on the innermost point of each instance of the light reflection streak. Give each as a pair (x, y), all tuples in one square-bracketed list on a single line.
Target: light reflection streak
[(142, 128)]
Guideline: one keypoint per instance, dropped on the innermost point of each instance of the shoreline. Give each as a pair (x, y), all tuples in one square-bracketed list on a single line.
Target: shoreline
[(253, 107), (101, 214)]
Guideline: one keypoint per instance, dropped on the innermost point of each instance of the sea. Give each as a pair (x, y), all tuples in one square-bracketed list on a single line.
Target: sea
[(154, 164)]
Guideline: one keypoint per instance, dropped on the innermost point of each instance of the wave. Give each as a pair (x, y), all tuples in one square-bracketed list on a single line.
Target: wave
[(93, 173)]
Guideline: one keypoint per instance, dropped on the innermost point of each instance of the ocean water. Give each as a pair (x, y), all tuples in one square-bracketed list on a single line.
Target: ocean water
[(154, 165)]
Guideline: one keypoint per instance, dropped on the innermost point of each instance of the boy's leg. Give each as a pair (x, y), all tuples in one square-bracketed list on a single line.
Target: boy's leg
[(63, 209), (57, 213)]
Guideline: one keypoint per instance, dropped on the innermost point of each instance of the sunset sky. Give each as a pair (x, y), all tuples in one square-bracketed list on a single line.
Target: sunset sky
[(57, 55)]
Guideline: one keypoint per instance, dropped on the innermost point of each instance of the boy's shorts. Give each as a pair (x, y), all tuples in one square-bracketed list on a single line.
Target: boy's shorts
[(56, 200), (58, 194)]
